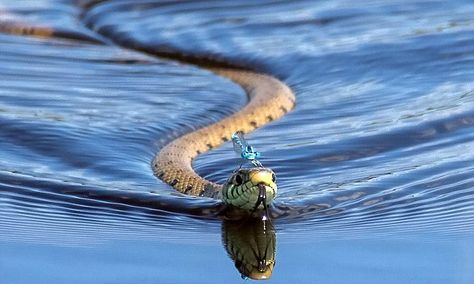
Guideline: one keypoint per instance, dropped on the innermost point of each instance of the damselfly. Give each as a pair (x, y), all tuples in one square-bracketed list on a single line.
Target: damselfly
[(244, 150)]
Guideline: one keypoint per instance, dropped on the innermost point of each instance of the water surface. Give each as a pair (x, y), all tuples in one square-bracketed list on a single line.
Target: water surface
[(375, 165)]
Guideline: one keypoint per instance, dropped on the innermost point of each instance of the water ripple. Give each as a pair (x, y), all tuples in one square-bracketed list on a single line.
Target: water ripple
[(381, 140)]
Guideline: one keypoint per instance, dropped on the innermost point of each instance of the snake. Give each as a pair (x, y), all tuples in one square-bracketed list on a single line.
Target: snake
[(247, 189), (252, 244)]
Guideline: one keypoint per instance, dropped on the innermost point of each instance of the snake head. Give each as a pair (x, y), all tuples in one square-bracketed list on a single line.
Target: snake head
[(250, 189)]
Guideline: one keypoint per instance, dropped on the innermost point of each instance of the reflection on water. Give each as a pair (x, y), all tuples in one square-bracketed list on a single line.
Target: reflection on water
[(251, 244)]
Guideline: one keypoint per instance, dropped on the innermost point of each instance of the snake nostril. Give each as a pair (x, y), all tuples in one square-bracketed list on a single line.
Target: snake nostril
[(274, 177)]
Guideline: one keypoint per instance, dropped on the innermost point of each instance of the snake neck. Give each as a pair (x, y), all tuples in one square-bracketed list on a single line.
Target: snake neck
[(269, 99)]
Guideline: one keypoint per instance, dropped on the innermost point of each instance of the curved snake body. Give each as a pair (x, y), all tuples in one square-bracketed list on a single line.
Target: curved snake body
[(269, 99), (251, 245)]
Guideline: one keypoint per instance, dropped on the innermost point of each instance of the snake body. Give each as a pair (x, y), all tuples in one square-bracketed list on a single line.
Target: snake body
[(251, 245), (269, 99)]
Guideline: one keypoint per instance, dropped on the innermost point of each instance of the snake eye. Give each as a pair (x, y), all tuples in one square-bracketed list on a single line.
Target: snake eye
[(238, 179), (274, 178)]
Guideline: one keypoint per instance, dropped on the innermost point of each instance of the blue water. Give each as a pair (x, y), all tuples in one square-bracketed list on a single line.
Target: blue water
[(375, 165)]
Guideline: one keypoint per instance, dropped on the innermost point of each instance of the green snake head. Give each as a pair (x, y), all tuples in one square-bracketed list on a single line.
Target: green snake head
[(250, 189)]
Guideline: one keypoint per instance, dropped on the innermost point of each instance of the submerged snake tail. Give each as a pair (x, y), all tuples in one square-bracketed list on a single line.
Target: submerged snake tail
[(20, 28)]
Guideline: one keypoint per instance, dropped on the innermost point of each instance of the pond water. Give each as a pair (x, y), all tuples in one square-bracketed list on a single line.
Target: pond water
[(375, 165)]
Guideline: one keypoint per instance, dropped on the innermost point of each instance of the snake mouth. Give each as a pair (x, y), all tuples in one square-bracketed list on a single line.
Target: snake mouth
[(262, 196)]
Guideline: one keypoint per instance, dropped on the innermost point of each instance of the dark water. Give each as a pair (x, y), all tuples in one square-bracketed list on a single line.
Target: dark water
[(377, 159)]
